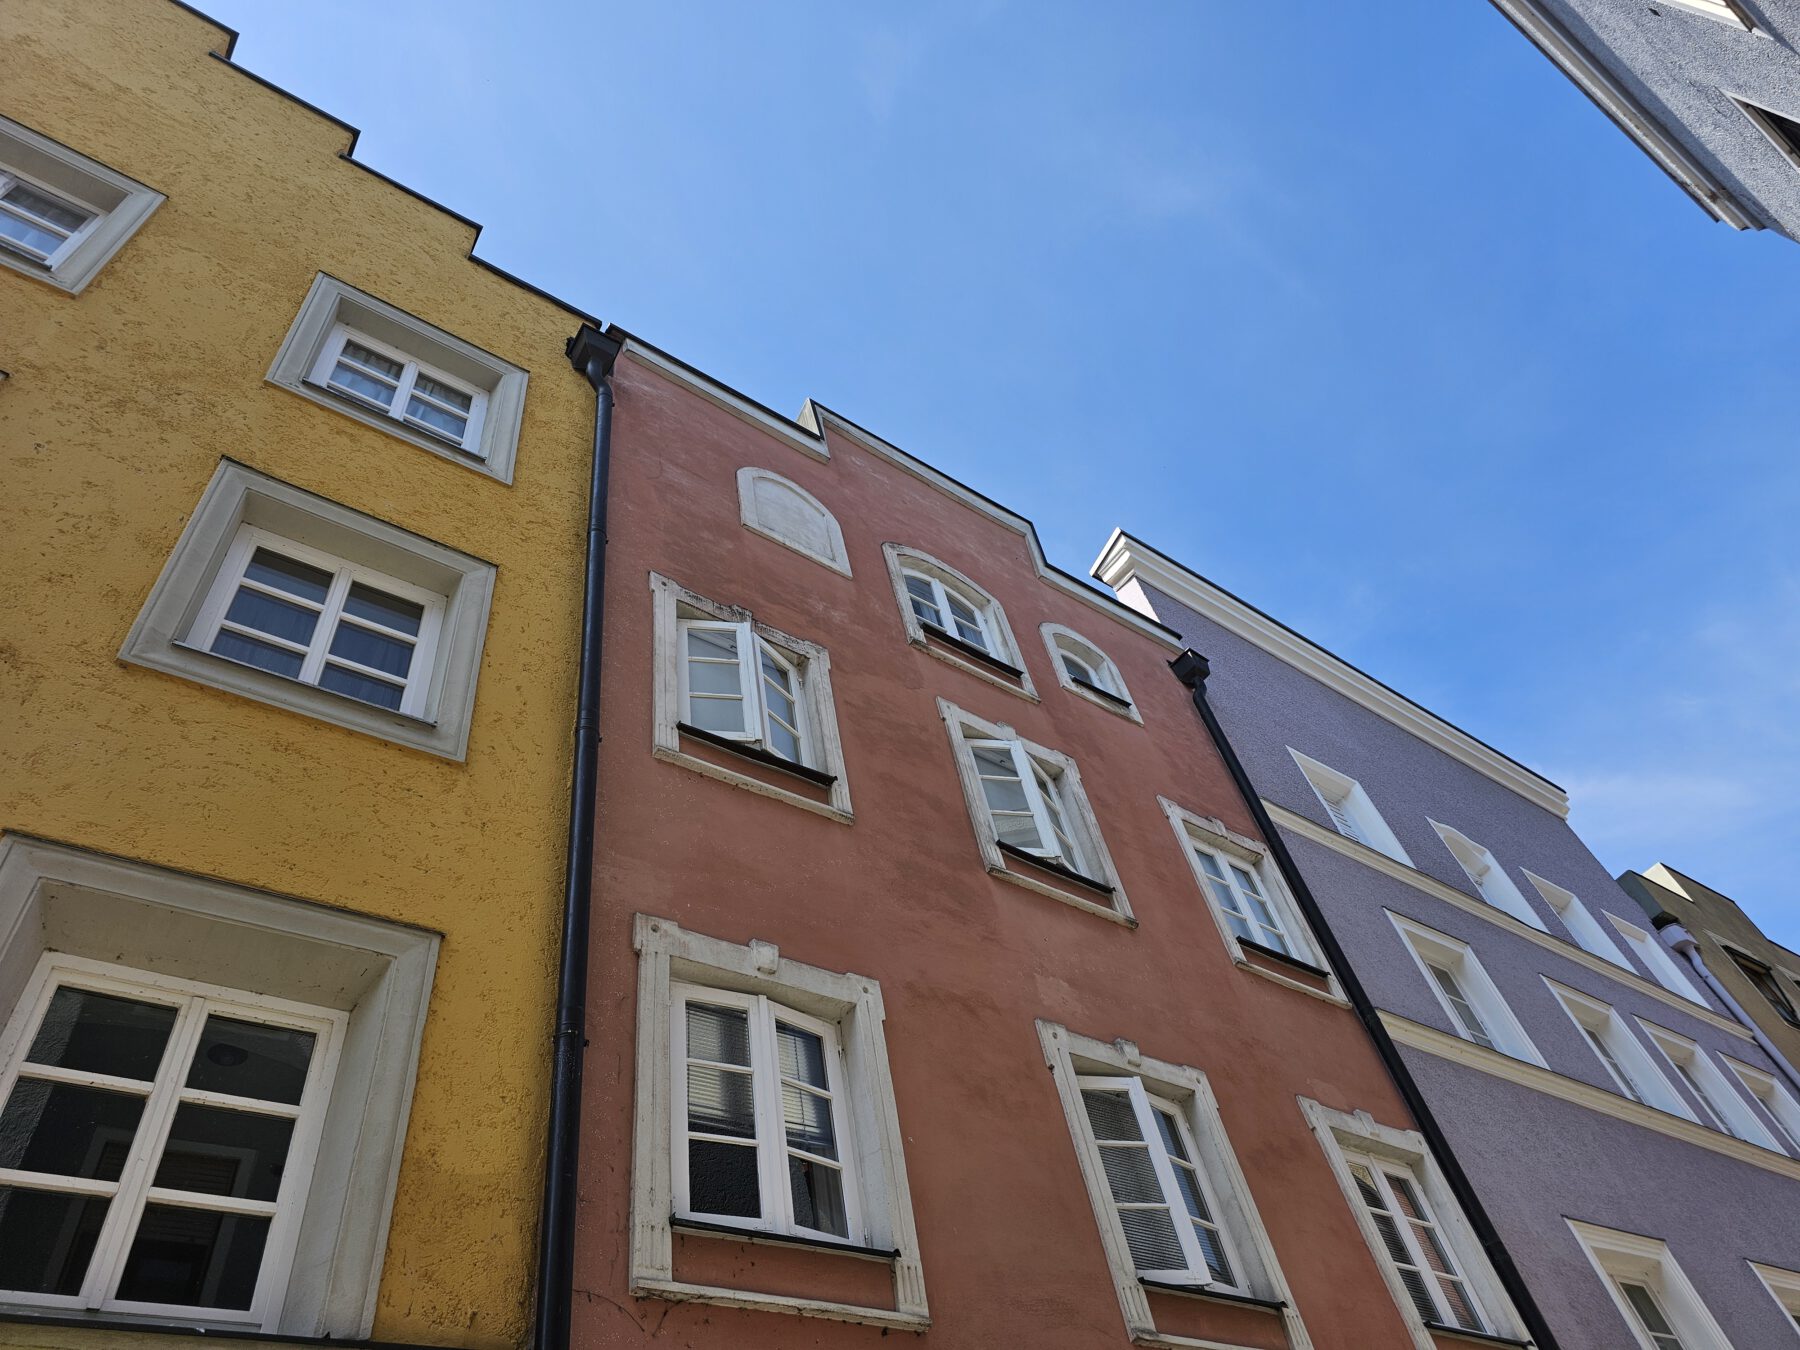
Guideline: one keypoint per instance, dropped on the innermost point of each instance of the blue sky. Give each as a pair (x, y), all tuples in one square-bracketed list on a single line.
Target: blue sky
[(1360, 309)]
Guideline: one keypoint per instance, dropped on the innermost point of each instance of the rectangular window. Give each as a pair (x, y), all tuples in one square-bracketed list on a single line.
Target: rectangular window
[(156, 1145), (63, 215), (1626, 1062), (1783, 131), (1767, 984), (1783, 1111), (1414, 1243), (759, 1117), (1663, 967), (1721, 1105), (1489, 877), (1025, 802), (1783, 1287), (1162, 1198), (39, 223), (1579, 920), (400, 386), (1654, 1298), (1469, 998), (1247, 908), (1352, 813), (740, 685), (305, 615)]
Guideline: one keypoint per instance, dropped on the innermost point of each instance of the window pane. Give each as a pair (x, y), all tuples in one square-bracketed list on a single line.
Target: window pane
[(808, 1119), (372, 361), (194, 1257), (1110, 1115), (248, 1059), (784, 742), (720, 1101), (438, 419), (219, 1152), (66, 216), (277, 618), (392, 656), (802, 1055), (723, 715), (924, 601), (1079, 669), (722, 1179), (1000, 780), (67, 1130), (818, 1196), (1131, 1175), (361, 687), (390, 611), (1150, 1234), (46, 1239), (439, 392), (719, 1034), (296, 578), (263, 655), (98, 1033), (968, 622), (29, 234)]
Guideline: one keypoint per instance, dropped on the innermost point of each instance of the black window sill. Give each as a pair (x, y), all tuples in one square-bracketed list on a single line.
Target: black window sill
[(699, 1226), (1484, 1337), (220, 1331), (1094, 689), (1286, 960), (1206, 1291), (1054, 868), (761, 756), (974, 653)]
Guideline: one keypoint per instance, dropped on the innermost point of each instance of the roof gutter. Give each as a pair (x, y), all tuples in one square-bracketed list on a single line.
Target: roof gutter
[(592, 353), (1192, 669)]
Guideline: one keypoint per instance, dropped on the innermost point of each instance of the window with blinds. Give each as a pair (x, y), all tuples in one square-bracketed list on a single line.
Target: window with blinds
[(1415, 1245), (1349, 808)]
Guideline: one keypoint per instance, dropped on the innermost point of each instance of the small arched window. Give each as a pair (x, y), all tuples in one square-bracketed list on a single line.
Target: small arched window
[(954, 619), (779, 509), (1082, 668)]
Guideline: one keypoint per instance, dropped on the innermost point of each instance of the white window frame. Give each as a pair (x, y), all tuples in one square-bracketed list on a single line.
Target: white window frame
[(1488, 877), (753, 699), (372, 976), (1195, 834), (411, 369), (1662, 966), (1721, 1106), (193, 1003), (1107, 690), (11, 178), (1633, 1258), (119, 206), (1343, 1136), (671, 605), (1428, 947), (1071, 1057), (416, 685), (1775, 1099), (1783, 1287), (171, 634), (1578, 919), (750, 513), (1623, 1060), (770, 1142), (1004, 647), (964, 729), (1349, 808), (669, 956), (333, 311)]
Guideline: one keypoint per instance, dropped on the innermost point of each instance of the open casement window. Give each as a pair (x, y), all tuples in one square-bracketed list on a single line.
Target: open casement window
[(1626, 1062), (1352, 813), (761, 1139), (745, 703), (1469, 998), (1489, 878), (1414, 1244), (1025, 802), (1721, 1106), (385, 378), (156, 1144), (1173, 1208), (950, 617), (1664, 967), (1780, 1105), (1653, 1295), (63, 215), (1083, 669), (765, 1106), (308, 616), (1579, 920), (1767, 983), (739, 685)]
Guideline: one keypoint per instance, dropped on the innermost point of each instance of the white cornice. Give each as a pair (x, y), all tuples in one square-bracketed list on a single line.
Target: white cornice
[(1308, 828), (1124, 558), (1457, 1050), (807, 435), (1533, 20)]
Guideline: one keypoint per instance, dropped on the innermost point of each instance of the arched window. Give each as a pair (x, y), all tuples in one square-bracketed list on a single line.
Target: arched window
[(784, 511), (951, 617), (1082, 668)]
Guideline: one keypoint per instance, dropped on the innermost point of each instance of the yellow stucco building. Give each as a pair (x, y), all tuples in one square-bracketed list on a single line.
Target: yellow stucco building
[(294, 498)]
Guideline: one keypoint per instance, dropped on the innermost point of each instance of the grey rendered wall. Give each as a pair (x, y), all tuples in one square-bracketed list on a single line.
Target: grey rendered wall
[(1535, 1160)]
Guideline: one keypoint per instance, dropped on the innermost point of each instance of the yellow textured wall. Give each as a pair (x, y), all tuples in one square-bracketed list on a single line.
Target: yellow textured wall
[(120, 404)]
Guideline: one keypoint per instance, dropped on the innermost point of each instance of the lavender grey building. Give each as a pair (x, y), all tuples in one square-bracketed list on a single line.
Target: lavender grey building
[(1609, 1113), (1709, 89)]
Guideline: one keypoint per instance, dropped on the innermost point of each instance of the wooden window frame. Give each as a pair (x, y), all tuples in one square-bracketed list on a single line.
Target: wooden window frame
[(751, 647), (117, 205), (469, 443), (1384, 1172), (1108, 690), (1618, 1052), (1005, 663)]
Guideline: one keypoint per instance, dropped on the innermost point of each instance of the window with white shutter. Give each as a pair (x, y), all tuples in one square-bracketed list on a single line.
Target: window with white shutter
[(1488, 877), (1347, 805)]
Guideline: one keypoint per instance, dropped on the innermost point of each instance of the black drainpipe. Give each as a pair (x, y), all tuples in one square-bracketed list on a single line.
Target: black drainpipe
[(592, 353), (1191, 669)]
